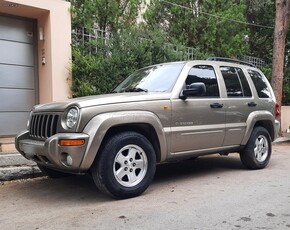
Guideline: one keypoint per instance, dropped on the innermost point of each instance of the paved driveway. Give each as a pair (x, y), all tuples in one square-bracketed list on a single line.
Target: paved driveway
[(213, 192)]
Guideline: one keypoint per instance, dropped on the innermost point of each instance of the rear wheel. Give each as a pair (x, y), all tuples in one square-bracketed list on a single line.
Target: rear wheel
[(257, 153), (125, 166)]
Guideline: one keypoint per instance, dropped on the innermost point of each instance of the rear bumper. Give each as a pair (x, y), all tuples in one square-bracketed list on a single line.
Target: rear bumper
[(50, 154), (277, 129)]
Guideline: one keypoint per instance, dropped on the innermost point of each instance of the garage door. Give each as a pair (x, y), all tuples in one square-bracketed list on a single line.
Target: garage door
[(17, 74)]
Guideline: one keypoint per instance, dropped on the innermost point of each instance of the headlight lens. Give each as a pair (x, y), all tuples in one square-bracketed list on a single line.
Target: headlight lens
[(28, 122), (72, 117)]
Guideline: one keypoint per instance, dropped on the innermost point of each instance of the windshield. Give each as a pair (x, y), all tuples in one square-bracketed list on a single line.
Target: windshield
[(160, 78)]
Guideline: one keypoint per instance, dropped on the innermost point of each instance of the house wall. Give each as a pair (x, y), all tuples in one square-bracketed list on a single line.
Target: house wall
[(285, 118), (54, 50)]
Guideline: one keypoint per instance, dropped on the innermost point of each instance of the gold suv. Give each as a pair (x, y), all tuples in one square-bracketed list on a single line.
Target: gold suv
[(160, 113)]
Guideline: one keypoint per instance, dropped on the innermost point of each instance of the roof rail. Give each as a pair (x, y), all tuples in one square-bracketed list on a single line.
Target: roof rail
[(230, 60)]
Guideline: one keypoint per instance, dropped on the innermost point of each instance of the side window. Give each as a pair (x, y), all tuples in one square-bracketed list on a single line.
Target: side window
[(205, 74), (260, 84), (236, 82), (245, 85)]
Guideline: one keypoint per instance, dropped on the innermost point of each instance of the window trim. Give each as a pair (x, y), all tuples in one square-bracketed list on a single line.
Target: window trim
[(240, 82), (216, 78), (266, 81)]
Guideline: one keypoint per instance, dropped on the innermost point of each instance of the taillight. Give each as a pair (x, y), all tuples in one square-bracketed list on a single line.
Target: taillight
[(277, 110)]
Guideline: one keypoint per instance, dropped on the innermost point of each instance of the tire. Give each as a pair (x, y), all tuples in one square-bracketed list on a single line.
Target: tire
[(125, 165), (257, 153), (52, 173)]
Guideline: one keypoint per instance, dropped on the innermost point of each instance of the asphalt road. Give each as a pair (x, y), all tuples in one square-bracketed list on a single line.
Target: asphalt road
[(213, 192)]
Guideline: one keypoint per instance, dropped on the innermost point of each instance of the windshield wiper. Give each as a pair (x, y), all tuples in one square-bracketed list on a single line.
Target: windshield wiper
[(136, 89)]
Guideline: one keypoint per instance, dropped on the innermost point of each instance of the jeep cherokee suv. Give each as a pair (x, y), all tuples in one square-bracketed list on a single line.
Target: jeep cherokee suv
[(158, 114)]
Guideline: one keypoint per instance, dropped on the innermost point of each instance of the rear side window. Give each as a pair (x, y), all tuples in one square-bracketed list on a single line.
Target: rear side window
[(236, 82), (260, 84), (205, 74), (245, 85)]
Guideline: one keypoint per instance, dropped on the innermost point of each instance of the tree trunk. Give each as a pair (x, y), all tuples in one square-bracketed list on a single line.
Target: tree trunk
[(281, 27)]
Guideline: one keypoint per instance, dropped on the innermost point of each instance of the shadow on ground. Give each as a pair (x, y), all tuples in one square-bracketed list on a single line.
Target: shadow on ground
[(82, 188), (198, 167)]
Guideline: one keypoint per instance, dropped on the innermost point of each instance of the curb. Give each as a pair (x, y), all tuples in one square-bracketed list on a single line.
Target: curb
[(14, 166), (282, 140), (19, 172)]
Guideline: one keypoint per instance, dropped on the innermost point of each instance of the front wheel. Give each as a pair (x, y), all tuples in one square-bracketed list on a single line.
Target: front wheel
[(125, 166), (257, 153)]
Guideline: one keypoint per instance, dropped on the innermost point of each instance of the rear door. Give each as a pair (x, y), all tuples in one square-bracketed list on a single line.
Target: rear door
[(238, 104)]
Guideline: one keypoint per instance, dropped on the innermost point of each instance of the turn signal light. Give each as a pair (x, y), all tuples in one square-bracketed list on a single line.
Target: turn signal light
[(71, 142)]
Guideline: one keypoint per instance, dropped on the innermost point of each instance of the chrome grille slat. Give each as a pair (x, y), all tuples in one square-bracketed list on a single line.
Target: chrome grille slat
[(35, 125), (49, 131), (31, 122), (39, 126), (43, 126), (54, 126), (46, 125)]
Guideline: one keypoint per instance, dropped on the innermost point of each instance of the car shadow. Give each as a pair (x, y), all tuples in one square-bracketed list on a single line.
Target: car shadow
[(198, 167), (82, 188)]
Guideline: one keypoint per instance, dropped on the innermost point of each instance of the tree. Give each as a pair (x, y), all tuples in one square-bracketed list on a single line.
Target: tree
[(262, 14), (216, 27), (281, 27), (101, 62), (126, 51), (261, 40), (107, 15)]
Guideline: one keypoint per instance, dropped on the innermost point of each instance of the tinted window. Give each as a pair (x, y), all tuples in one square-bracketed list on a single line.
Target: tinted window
[(245, 85), (260, 84), (159, 78), (205, 74), (233, 85), (236, 82)]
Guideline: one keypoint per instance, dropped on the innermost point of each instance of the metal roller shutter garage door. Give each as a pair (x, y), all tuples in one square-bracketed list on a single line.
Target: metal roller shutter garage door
[(17, 74)]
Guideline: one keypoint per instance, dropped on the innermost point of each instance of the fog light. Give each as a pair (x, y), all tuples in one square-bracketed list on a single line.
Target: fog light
[(69, 160), (66, 159)]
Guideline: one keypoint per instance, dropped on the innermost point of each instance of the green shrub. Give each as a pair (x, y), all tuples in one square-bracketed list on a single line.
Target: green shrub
[(99, 66)]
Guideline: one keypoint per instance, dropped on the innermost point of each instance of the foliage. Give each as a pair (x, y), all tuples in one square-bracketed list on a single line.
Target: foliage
[(286, 88), (261, 38), (126, 51), (105, 14), (206, 24), (267, 70)]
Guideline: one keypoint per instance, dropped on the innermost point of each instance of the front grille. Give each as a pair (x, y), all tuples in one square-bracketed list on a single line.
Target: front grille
[(43, 126)]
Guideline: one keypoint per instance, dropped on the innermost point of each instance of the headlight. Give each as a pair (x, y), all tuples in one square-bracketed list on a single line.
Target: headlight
[(72, 117), (28, 122)]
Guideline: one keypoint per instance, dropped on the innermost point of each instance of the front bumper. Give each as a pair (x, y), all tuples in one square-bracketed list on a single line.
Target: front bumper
[(50, 154)]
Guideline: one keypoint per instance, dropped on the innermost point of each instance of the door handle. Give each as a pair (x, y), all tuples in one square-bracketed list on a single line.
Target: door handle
[(216, 105), (252, 104)]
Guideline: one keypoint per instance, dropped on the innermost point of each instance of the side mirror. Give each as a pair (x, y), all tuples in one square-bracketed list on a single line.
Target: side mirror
[(194, 90)]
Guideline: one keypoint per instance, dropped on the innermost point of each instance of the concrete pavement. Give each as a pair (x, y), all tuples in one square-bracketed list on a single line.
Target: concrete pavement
[(212, 192)]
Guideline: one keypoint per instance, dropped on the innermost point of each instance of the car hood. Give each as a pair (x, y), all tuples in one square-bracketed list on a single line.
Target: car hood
[(98, 100)]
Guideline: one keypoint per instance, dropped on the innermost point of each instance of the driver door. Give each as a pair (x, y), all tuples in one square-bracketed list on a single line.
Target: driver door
[(198, 122)]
